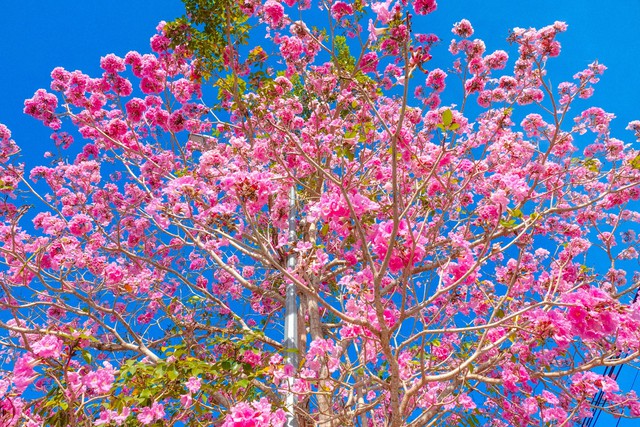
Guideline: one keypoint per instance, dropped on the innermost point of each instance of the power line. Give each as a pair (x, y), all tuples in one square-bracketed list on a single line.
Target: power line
[(598, 401), (632, 384)]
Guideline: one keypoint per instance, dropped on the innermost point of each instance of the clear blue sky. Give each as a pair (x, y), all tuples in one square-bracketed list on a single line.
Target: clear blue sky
[(38, 35)]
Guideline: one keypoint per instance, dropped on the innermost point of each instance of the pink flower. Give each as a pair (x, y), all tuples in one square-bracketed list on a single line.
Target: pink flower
[(23, 373), (466, 402), (274, 14), (108, 416), (42, 106), (323, 352), (533, 124), (551, 398), (135, 109), (134, 59), (435, 80), (634, 126), (369, 62), (303, 247), (114, 273), (74, 381), (382, 10), (497, 60), (60, 78), (256, 414), (424, 7), (251, 357), (80, 224), (193, 384), (4, 387), (112, 63), (243, 415), (148, 415), (248, 271), (160, 43), (340, 9), (101, 380), (475, 84), (484, 98), (176, 121), (48, 346), (186, 400), (462, 29)]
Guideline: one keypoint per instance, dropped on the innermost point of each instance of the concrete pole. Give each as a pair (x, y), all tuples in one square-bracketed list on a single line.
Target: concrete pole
[(291, 303), (291, 314)]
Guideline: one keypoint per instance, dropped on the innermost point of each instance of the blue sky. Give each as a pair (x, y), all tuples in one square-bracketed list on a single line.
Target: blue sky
[(36, 36)]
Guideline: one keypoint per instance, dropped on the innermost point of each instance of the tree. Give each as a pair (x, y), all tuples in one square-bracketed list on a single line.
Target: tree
[(454, 264)]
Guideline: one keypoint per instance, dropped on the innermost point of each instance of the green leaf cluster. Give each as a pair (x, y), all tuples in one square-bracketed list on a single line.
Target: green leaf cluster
[(343, 55), (208, 27), (447, 122)]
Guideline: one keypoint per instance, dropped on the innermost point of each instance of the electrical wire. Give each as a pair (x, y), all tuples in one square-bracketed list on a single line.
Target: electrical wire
[(632, 384), (598, 401)]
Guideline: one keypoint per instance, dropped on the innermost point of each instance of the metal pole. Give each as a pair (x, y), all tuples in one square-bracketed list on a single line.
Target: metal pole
[(291, 315), (291, 303)]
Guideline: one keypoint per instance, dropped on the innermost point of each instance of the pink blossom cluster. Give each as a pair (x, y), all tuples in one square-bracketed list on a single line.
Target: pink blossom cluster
[(109, 416), (274, 14), (149, 414), (258, 413), (10, 173), (42, 106), (340, 9)]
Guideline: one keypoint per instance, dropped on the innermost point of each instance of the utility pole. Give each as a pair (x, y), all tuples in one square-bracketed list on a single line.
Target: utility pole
[(291, 314), (291, 303)]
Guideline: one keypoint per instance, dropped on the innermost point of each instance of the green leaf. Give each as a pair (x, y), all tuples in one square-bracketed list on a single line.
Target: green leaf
[(159, 371), (454, 126), (592, 165), (172, 374), (87, 357), (349, 154), (447, 118), (206, 28), (343, 54), (635, 163), (243, 383), (508, 224), (350, 134), (345, 152), (5, 186)]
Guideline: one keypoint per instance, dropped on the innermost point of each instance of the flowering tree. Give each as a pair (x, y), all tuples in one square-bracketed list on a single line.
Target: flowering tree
[(454, 263)]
